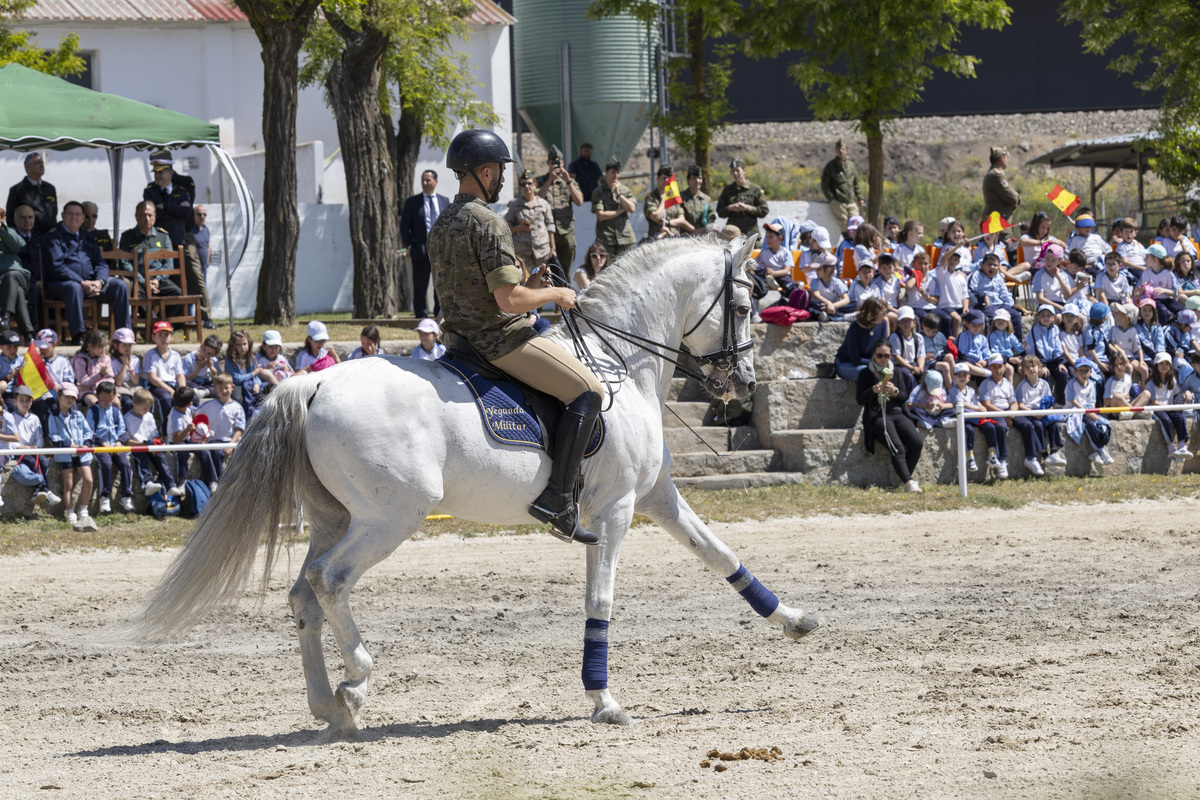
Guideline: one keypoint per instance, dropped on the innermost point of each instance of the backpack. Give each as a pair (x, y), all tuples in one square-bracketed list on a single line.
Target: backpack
[(162, 505), (195, 499)]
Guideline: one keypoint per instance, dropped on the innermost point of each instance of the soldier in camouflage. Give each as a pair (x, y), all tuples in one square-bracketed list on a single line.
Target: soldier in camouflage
[(612, 203), (664, 222), (532, 224), (560, 190), (485, 302), (742, 203), (697, 207), (145, 236)]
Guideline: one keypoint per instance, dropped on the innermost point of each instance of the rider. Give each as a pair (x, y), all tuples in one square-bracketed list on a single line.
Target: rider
[(484, 302)]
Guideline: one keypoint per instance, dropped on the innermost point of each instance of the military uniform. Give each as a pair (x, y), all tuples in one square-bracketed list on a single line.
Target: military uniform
[(41, 197), (471, 255), (999, 195), (156, 239), (839, 184), (615, 234), (751, 194), (173, 208), (697, 209), (563, 210), (653, 202), (533, 245)]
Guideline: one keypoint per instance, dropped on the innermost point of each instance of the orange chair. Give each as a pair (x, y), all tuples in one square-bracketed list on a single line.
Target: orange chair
[(849, 270)]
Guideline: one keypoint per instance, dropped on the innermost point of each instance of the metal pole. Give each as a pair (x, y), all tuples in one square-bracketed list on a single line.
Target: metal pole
[(1141, 168), (225, 247), (564, 73), (960, 439), (1093, 185)]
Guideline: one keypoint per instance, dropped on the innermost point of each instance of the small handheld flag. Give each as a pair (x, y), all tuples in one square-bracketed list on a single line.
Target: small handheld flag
[(671, 195), (1063, 200), (995, 223), (34, 374)]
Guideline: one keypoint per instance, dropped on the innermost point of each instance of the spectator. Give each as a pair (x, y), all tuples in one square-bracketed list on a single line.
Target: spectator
[(697, 206), (918, 279), (990, 293), (91, 365), (595, 260), (862, 288), (889, 286), (870, 327), (742, 203), (587, 173), (127, 367), (248, 376), (59, 368), (226, 419), (371, 344), (839, 184), (943, 224), (140, 428), (23, 430), (908, 347), (1003, 341), (954, 239), (195, 261), (108, 430), (1123, 338), (1086, 239), (429, 349), (948, 283), (1118, 390), (612, 203), (200, 365), (181, 424), (891, 234), (774, 262), (1081, 393), (68, 428), (14, 280), (11, 361), (1072, 336), (91, 215), (39, 195), (827, 294), (164, 368), (1112, 285), (531, 221), (1044, 342), (416, 220), (1164, 391), (996, 393), (1094, 344), (563, 193), (1130, 252), (275, 367), (668, 221), (1041, 435), (148, 238), (934, 340), (74, 271), (1035, 241), (1178, 336), (314, 356), (909, 243), (173, 196), (998, 195), (1187, 275), (847, 242), (1051, 285), (1076, 269), (883, 395), (1175, 241), (868, 243), (817, 249), (930, 406), (1151, 337), (972, 344), (1159, 284)]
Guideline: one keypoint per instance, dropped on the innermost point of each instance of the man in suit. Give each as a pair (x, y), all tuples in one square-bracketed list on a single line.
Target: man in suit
[(416, 219), (36, 193)]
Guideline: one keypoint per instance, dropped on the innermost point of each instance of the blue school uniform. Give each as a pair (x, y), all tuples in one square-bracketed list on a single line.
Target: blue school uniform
[(972, 347), (935, 347), (1005, 343), (70, 431), (1152, 340)]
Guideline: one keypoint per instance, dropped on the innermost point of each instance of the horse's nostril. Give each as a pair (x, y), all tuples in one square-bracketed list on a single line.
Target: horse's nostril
[(750, 386)]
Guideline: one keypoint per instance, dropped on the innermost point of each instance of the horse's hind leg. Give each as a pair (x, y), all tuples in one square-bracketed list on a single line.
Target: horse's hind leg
[(666, 507), (327, 520)]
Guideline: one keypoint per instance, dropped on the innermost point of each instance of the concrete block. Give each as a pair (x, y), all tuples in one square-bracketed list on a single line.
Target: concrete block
[(795, 350), (686, 465), (809, 403)]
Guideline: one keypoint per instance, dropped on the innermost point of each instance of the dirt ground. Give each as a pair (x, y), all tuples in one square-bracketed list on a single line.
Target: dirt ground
[(1043, 652)]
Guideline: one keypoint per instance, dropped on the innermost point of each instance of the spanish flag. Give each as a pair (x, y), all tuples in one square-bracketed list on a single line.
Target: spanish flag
[(34, 374), (671, 194), (995, 223), (1063, 200)]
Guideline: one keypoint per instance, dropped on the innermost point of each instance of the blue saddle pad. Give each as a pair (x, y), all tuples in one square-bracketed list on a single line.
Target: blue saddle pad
[(507, 414)]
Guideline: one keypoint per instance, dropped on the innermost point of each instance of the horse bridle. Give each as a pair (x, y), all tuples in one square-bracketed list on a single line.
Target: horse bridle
[(726, 358)]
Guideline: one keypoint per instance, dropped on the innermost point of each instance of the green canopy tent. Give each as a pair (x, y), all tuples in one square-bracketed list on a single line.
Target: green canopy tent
[(41, 111)]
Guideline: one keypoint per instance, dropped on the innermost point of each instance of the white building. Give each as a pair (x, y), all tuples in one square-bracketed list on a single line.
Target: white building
[(201, 58)]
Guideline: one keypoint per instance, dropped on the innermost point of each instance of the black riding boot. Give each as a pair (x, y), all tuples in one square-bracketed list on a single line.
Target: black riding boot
[(556, 504)]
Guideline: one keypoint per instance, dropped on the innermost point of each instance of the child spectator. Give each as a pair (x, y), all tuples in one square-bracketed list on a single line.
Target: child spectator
[(953, 241), (1191, 382), (430, 349), (1071, 334), (933, 339), (961, 392), (1159, 284), (1051, 285), (1174, 239), (891, 232), (164, 368), (68, 428), (827, 295), (1094, 342), (916, 280), (929, 404), (200, 365), (1112, 285), (314, 356), (1075, 270), (949, 286), (908, 348), (909, 243), (1002, 340), (270, 358), (869, 327), (1130, 253), (248, 376), (996, 393), (140, 428), (1164, 391), (990, 294), (774, 262), (1119, 389), (889, 286), (10, 365), (59, 369), (943, 224), (972, 344), (1085, 239), (127, 367), (226, 419), (1123, 336), (1081, 393), (867, 244), (862, 288), (1040, 435), (180, 426), (1179, 340), (1187, 276), (371, 344), (23, 430), (108, 430), (1045, 342), (1150, 334), (91, 365)]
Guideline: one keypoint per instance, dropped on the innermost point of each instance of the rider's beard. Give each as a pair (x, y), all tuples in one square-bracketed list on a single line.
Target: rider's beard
[(494, 191)]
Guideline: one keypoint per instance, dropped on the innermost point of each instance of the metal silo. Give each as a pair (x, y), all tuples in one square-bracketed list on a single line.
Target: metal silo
[(608, 71)]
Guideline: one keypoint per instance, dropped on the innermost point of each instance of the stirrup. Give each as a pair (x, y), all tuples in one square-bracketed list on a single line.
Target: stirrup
[(564, 524)]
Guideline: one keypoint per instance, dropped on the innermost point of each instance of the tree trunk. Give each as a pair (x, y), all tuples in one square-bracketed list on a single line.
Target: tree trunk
[(353, 84), (407, 148), (702, 98), (281, 28), (872, 128)]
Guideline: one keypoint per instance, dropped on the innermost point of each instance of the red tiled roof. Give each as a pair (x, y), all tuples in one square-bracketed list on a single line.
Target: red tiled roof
[(488, 13), (134, 11)]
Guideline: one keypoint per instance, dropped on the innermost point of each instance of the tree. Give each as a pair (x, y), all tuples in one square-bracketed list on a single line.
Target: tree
[(373, 57), (281, 26), (696, 84), (18, 47), (1135, 30), (868, 61)]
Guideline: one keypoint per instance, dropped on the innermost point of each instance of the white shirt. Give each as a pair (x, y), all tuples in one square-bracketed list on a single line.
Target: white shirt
[(179, 420), (142, 429), (904, 254), (167, 368), (1174, 247), (1115, 386), (951, 289), (305, 359), (1133, 252), (889, 290), (1001, 394), (1031, 396), (1126, 339), (223, 420), (1085, 393), (28, 430), (1092, 245), (832, 291), (1050, 286)]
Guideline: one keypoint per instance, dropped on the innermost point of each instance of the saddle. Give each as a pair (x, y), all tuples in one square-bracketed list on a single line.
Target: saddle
[(513, 412)]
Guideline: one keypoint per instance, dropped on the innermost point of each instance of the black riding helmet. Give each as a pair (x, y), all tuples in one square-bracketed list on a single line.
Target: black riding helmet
[(475, 147)]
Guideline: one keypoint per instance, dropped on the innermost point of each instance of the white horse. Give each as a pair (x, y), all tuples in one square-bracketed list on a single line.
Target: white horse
[(367, 449)]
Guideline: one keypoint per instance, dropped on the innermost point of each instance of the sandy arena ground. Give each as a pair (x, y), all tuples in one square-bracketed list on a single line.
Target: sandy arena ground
[(1046, 652)]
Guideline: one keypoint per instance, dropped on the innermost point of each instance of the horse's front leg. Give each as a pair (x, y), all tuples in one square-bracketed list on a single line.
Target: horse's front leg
[(601, 579), (668, 508)]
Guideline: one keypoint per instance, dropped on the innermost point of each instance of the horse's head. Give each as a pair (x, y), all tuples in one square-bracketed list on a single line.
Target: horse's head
[(720, 339)]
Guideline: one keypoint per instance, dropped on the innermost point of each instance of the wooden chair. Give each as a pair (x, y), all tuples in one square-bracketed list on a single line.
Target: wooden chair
[(159, 308), (116, 259), (54, 312)]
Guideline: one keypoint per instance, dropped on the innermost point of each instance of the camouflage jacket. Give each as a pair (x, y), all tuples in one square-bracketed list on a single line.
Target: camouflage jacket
[(533, 243), (616, 232), (698, 209), (559, 197), (471, 255), (753, 195), (653, 202)]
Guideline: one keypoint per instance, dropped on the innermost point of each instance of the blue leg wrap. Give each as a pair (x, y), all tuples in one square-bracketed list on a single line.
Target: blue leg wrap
[(595, 654), (760, 598)]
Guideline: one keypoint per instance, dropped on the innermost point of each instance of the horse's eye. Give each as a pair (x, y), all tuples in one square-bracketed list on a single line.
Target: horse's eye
[(743, 311)]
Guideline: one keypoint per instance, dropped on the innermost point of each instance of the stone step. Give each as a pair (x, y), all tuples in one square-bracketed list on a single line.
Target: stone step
[(795, 351), (745, 480), (686, 389), (803, 404), (691, 413), (681, 440), (688, 465)]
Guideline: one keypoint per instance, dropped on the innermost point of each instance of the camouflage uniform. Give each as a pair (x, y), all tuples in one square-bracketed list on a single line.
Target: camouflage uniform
[(156, 239), (471, 255), (653, 201), (698, 209), (751, 194), (615, 234), (533, 246), (999, 195), (559, 197)]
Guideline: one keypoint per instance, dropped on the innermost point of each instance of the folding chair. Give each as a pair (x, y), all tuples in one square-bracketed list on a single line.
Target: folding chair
[(170, 308)]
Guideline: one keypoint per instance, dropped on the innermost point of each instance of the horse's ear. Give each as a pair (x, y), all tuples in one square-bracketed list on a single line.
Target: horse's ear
[(742, 247)]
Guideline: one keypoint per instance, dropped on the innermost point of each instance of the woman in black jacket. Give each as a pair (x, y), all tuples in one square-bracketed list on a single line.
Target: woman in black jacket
[(869, 326), (882, 394)]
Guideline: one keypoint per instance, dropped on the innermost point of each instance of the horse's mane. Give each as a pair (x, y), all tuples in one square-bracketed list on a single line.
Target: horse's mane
[(616, 280)]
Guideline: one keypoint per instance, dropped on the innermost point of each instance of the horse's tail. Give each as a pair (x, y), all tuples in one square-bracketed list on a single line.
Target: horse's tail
[(259, 493)]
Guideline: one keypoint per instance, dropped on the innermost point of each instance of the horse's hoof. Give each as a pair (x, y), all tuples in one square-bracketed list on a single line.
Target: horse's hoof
[(611, 716), (351, 698), (803, 626), (341, 733)]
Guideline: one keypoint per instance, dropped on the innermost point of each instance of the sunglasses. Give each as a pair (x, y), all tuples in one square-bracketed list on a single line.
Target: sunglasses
[(526, 183), (882, 356)]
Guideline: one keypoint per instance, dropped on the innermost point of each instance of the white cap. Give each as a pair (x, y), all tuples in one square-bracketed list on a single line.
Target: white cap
[(961, 367), (1002, 313), (821, 237), (272, 338), (1161, 357), (428, 326), (317, 331), (905, 312)]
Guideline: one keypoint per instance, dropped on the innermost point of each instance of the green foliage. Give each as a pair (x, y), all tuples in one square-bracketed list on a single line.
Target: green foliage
[(20, 47)]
